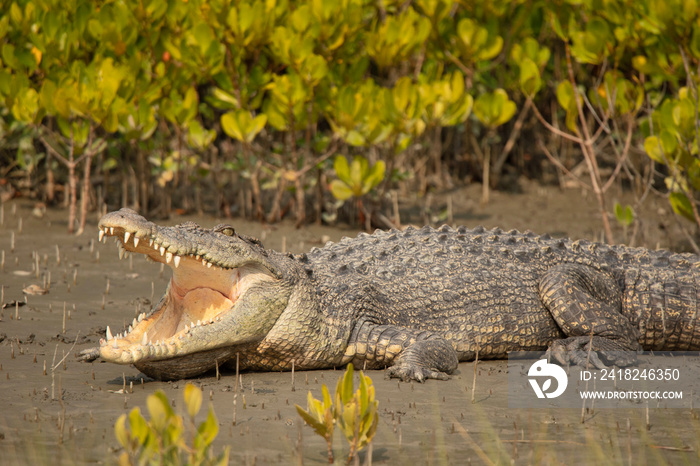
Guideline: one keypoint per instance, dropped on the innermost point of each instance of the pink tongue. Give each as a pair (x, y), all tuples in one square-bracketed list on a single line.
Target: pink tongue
[(203, 304)]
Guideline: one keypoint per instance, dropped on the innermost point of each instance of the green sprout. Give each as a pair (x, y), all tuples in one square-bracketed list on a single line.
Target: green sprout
[(162, 439), (354, 411)]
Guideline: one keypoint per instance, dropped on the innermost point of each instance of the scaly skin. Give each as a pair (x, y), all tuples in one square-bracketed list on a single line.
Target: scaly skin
[(415, 301)]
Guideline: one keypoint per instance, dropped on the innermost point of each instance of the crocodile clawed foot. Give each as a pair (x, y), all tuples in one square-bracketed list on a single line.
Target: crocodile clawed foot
[(89, 355), (585, 352), (411, 372)]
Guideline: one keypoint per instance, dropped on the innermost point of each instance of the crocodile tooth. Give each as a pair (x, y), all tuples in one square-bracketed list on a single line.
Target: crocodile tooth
[(121, 251), (100, 234), (126, 237), (136, 240), (133, 323), (162, 250), (109, 333), (114, 345), (176, 259), (197, 257), (144, 340), (209, 265), (103, 342), (199, 322), (150, 242), (204, 262), (168, 257), (140, 318), (131, 328), (192, 325)]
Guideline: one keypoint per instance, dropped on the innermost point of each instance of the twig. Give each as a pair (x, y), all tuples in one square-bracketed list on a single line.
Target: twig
[(588, 153), (559, 165), (554, 130), (54, 366)]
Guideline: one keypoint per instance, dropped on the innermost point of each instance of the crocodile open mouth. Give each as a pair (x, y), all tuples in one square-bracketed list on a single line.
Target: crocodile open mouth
[(198, 294)]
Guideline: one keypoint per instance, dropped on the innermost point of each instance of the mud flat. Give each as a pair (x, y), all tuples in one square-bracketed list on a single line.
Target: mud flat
[(61, 411)]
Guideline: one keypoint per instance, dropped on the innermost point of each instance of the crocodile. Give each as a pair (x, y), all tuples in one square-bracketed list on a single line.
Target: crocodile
[(415, 302)]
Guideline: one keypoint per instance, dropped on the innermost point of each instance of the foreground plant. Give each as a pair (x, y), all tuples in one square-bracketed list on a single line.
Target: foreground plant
[(162, 439), (355, 413)]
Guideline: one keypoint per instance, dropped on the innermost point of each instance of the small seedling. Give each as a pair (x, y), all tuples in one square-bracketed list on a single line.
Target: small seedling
[(354, 412), (162, 439)]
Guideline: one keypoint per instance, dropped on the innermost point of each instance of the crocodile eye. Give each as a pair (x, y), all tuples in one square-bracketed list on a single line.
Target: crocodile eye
[(224, 229)]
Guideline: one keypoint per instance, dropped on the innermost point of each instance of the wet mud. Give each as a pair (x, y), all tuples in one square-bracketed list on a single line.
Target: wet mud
[(57, 410)]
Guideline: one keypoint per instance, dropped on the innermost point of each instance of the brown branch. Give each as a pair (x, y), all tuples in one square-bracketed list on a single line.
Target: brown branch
[(554, 130), (510, 143), (623, 156), (587, 148), (559, 165)]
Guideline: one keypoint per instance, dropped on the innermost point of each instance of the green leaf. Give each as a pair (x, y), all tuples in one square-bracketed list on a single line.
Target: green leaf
[(346, 391), (26, 106), (681, 205), (652, 146), (374, 177), (358, 169), (231, 126), (207, 430), (139, 426), (355, 138), (319, 427), (203, 36), (567, 99), (495, 108), (225, 99), (48, 90), (340, 190), (16, 14), (256, 125), (669, 142), (159, 409), (193, 399), (624, 215), (530, 81), (9, 57), (342, 169), (120, 431), (565, 95), (402, 93)]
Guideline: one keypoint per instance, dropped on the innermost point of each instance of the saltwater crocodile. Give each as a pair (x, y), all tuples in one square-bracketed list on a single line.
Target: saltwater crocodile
[(415, 301)]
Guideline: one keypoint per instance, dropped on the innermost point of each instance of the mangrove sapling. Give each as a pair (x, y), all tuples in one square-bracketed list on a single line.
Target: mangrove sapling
[(354, 412)]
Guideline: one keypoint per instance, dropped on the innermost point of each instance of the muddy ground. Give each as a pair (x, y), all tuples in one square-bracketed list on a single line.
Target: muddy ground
[(64, 413)]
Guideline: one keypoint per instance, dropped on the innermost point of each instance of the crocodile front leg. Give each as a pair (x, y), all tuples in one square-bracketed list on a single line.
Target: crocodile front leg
[(411, 354), (586, 305)]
